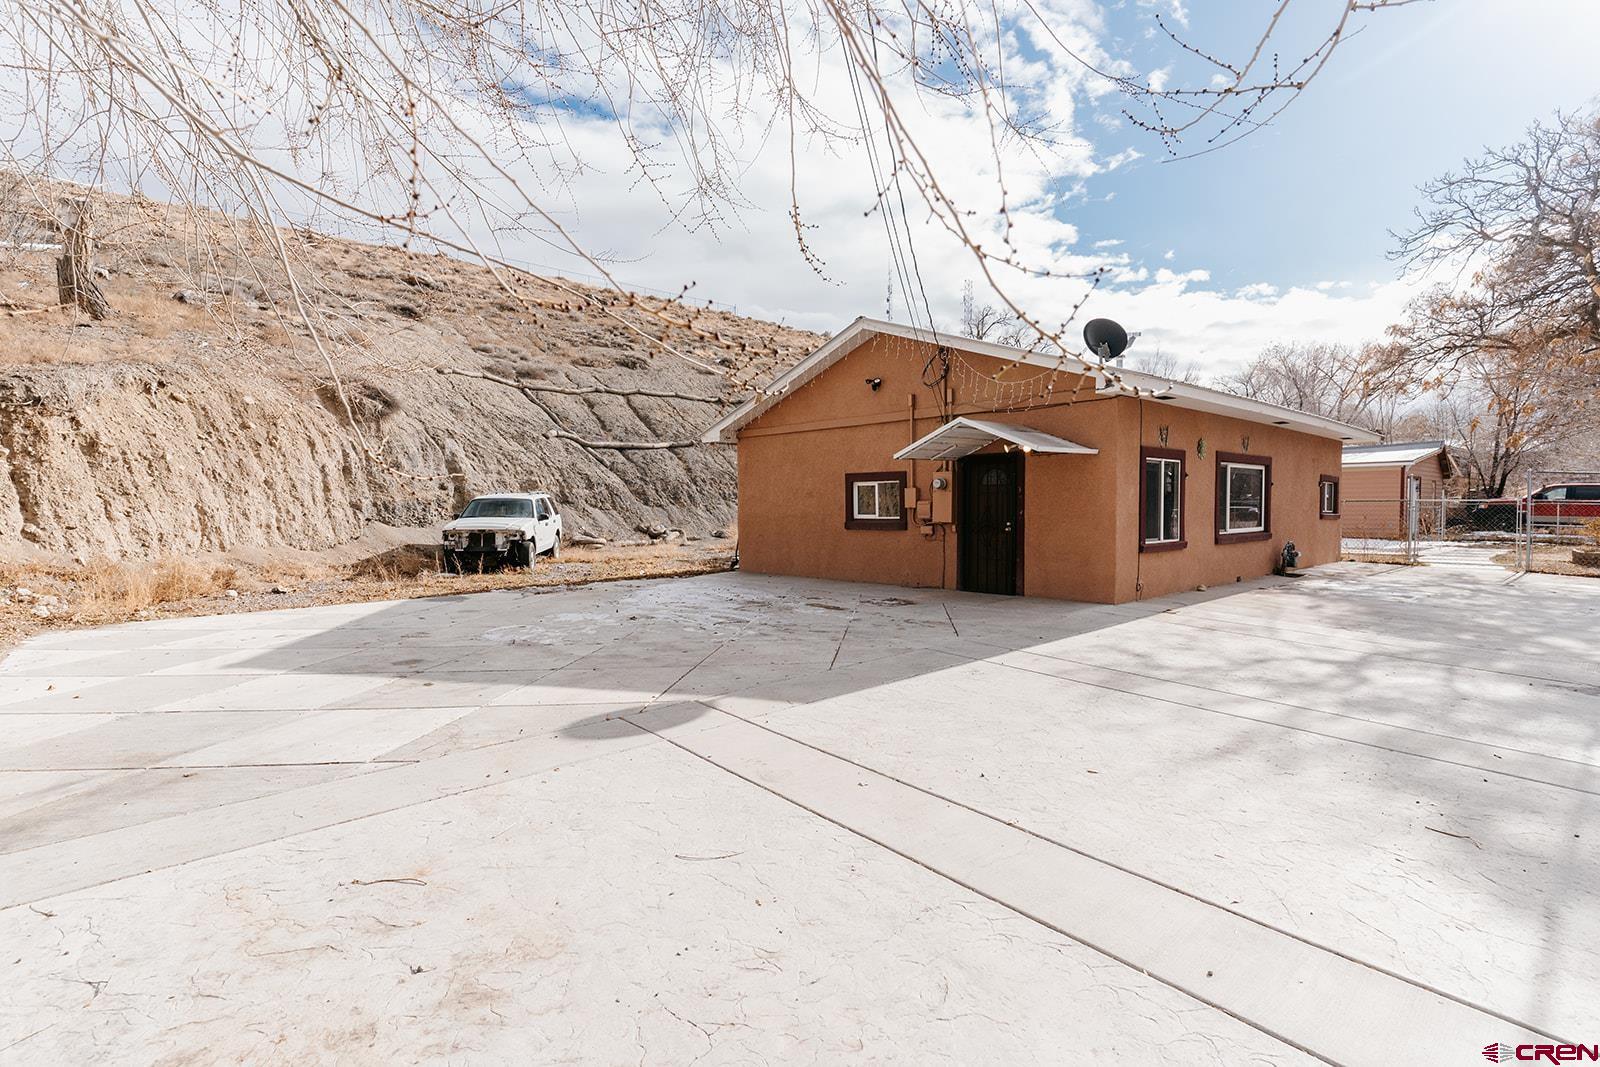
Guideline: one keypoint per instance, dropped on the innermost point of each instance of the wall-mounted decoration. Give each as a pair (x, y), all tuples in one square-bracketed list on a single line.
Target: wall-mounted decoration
[(1200, 448), (1244, 443), (1162, 433)]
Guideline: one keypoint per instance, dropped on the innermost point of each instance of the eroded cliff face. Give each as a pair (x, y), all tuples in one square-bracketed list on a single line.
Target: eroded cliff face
[(129, 459), (202, 423)]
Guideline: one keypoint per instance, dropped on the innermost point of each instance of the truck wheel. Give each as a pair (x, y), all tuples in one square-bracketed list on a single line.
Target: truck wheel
[(522, 554), (452, 562), (554, 551)]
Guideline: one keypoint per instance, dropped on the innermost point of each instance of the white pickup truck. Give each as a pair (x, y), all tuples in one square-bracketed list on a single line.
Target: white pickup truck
[(505, 528)]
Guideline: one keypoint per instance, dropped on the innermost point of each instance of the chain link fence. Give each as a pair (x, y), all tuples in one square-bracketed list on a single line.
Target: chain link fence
[(1560, 524), (1552, 527), (1420, 529)]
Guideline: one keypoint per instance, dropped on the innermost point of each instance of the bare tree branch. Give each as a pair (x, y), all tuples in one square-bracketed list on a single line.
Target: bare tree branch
[(1520, 226), (622, 446), (574, 390), (450, 125), (1334, 380)]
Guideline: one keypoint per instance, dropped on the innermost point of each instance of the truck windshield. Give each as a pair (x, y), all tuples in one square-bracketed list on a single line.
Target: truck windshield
[(492, 507)]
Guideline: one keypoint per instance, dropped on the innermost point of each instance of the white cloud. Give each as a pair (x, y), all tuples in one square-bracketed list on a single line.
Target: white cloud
[(750, 260), (1221, 330), (754, 265), (1175, 8)]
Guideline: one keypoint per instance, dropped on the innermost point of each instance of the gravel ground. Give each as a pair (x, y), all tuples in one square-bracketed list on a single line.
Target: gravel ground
[(70, 596)]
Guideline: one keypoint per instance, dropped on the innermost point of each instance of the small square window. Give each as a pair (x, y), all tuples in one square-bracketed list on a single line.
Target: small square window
[(875, 501)]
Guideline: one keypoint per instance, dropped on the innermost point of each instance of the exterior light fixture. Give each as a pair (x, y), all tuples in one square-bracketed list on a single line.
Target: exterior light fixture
[(873, 383), (941, 482)]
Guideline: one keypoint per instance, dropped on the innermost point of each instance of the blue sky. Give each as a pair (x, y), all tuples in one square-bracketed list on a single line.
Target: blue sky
[(1311, 197), (1280, 237)]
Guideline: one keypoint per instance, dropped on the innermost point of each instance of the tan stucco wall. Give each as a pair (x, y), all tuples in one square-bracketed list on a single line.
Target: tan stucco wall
[(1370, 500), (1372, 497), (1080, 513), (1298, 462)]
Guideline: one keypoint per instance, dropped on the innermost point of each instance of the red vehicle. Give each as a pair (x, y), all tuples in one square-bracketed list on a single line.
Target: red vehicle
[(1562, 504), (1557, 504)]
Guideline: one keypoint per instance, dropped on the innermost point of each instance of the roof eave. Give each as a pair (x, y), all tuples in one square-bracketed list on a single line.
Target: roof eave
[(1110, 381), (1216, 402), (830, 351)]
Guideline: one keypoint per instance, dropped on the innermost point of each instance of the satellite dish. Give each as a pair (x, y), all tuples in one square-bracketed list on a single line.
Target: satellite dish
[(1105, 338)]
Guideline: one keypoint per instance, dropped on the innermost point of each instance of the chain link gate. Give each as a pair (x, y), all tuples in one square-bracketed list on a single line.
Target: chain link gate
[(1559, 523), (1432, 529), (1553, 527)]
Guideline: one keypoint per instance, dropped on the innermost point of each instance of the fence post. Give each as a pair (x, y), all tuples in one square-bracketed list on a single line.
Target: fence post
[(1526, 512), (1413, 505)]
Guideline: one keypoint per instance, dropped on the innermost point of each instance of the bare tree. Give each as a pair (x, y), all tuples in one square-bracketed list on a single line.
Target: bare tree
[(1520, 226), (990, 323), (439, 123), (1510, 346), (1508, 412), (1165, 365), (75, 284), (1323, 378)]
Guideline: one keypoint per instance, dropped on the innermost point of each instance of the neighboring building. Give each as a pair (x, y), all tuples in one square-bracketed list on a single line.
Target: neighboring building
[(1381, 481), (895, 455)]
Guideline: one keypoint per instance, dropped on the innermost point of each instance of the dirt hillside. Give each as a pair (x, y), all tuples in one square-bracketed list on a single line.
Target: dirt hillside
[(199, 418)]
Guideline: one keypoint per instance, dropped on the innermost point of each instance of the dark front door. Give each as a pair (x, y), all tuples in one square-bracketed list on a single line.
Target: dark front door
[(989, 523)]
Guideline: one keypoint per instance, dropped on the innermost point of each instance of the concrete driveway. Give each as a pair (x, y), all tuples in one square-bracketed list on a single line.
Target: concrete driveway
[(732, 819)]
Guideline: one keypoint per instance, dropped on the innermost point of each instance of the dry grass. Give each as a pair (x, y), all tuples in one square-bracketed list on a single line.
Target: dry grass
[(1553, 559), (110, 589), (105, 592), (375, 298)]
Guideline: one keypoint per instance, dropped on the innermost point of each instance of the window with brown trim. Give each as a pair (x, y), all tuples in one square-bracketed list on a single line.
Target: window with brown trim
[(1244, 497), (1328, 496), (1161, 499), (875, 501)]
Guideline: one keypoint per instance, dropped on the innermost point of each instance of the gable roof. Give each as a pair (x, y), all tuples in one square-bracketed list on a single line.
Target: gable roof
[(1109, 381), (1396, 454)]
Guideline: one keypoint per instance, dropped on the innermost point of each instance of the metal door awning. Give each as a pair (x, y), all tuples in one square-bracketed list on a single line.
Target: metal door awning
[(963, 436)]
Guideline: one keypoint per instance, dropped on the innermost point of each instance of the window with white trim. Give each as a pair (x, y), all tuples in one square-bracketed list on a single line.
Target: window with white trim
[(1244, 498), (1329, 488), (1163, 501), (877, 500)]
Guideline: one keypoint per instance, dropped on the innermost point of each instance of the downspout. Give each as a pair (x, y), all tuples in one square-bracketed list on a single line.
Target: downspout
[(911, 430), (1138, 557)]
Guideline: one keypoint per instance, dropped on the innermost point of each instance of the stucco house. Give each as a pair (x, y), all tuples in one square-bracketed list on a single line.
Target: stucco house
[(1379, 482), (893, 454)]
